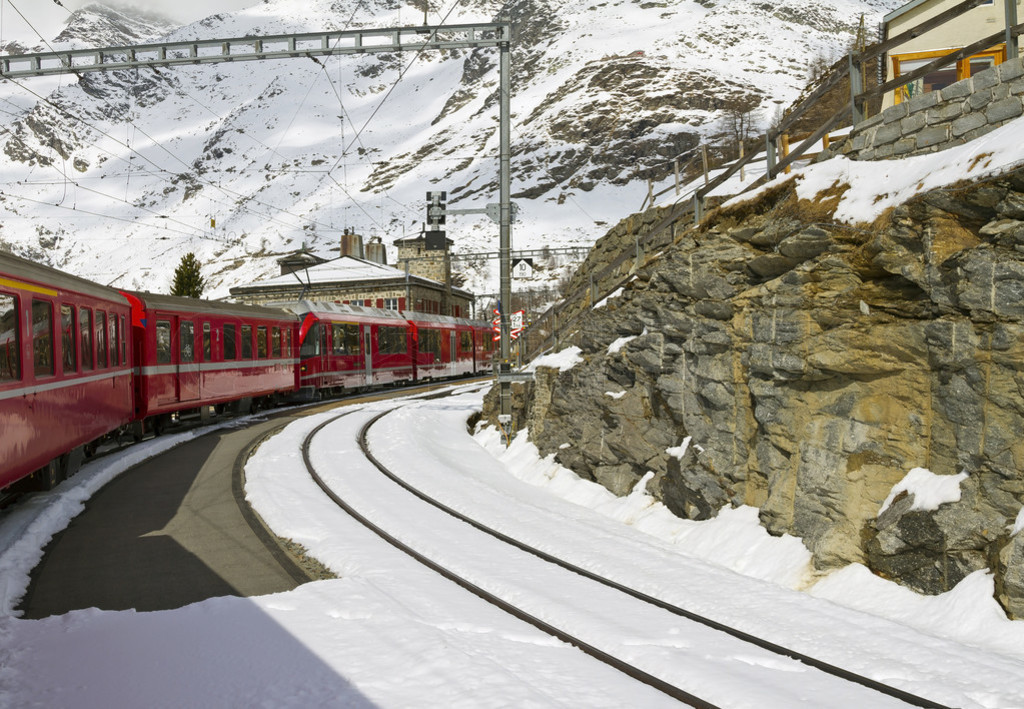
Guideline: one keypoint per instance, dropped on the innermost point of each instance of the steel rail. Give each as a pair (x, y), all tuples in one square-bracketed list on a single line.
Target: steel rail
[(598, 654), (664, 605)]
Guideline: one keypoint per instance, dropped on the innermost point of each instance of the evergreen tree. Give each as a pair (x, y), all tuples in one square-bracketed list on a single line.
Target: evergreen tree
[(188, 281)]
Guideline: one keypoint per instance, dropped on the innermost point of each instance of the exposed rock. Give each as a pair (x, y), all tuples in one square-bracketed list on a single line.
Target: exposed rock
[(813, 366)]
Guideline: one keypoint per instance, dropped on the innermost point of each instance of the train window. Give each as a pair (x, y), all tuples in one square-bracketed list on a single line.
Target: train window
[(186, 341), (466, 341), (430, 343), (85, 331), (246, 341), (345, 338), (42, 337), (275, 342), (163, 342), (230, 342), (10, 342), (68, 331), (112, 339), (391, 340), (207, 342), (261, 342), (286, 342), (311, 345), (124, 342), (101, 339)]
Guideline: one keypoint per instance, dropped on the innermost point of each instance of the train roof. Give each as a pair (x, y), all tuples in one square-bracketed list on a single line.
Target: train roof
[(344, 309), (31, 271), (432, 318), (211, 307), (347, 309)]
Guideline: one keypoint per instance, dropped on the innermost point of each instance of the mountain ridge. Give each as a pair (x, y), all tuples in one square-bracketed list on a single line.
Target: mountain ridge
[(280, 154)]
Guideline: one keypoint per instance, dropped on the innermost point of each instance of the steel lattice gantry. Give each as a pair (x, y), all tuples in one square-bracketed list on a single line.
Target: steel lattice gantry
[(365, 41), (210, 51)]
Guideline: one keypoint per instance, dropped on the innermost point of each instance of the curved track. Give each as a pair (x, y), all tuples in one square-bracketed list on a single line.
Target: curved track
[(619, 664)]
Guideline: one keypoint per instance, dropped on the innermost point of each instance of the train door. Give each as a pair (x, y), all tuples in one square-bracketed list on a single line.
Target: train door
[(453, 355), (367, 356), (188, 365)]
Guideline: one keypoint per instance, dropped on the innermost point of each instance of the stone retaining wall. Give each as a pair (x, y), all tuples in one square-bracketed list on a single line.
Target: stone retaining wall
[(942, 119)]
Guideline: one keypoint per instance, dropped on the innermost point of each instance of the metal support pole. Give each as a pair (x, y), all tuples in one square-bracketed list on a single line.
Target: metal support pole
[(505, 228), (769, 149), (856, 89), (1011, 22)]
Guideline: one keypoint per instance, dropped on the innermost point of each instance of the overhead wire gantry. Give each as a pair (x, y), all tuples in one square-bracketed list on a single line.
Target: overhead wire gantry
[(315, 44)]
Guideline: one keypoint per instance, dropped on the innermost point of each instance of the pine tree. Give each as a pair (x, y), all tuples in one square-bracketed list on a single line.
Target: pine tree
[(188, 281)]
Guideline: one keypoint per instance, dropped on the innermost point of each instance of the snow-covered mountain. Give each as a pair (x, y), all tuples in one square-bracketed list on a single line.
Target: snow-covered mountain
[(115, 176)]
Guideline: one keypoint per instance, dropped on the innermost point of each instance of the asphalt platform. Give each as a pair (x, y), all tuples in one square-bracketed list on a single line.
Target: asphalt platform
[(172, 531)]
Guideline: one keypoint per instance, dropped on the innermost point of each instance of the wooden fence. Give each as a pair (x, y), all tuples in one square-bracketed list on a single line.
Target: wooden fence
[(560, 320)]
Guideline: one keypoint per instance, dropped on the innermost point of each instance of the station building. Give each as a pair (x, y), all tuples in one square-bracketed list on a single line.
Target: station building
[(361, 276)]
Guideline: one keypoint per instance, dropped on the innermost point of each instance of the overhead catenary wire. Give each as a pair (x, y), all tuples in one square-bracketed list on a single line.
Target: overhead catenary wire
[(245, 200)]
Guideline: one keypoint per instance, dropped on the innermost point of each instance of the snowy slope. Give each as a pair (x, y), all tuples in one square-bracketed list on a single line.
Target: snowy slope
[(388, 633), (115, 176)]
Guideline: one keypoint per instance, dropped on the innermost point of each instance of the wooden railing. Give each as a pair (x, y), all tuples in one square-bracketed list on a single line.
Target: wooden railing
[(546, 330)]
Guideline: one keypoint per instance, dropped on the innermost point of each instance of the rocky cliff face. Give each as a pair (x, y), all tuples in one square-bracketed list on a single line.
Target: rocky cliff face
[(812, 365)]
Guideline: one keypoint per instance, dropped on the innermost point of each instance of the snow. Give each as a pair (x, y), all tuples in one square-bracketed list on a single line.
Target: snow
[(389, 633), (878, 185), (291, 151), (617, 344), (604, 301), (679, 452), (563, 360), (1018, 524), (929, 490)]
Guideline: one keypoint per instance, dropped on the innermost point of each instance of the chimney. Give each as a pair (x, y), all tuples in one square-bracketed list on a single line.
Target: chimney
[(351, 244), (376, 251)]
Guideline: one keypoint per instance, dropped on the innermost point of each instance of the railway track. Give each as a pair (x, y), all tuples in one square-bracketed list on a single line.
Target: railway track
[(876, 693)]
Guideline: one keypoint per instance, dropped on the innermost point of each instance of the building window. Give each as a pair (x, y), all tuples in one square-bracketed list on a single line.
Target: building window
[(10, 342), (391, 303), (942, 77)]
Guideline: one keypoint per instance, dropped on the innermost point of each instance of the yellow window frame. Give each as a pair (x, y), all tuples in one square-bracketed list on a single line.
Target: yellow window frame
[(963, 67)]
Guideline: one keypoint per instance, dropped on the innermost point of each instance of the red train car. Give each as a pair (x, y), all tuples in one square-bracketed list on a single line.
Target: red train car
[(445, 346), (351, 347), (65, 370), (354, 347), (195, 353)]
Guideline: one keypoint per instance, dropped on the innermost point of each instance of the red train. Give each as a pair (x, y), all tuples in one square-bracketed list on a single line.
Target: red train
[(80, 362)]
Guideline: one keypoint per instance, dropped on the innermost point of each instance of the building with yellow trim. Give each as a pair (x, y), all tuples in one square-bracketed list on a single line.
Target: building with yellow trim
[(968, 28)]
